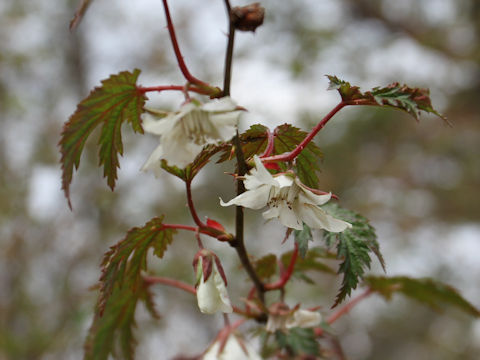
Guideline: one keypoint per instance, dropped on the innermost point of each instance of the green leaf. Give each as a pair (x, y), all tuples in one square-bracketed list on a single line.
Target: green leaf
[(253, 141), (307, 164), (109, 105), (266, 266), (302, 237), (410, 100), (298, 341), (121, 286), (202, 159), (426, 291), (353, 247)]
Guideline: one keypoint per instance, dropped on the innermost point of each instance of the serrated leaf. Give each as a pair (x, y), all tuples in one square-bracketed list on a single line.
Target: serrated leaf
[(307, 163), (202, 159), (353, 247), (427, 291), (121, 287), (302, 237), (298, 341), (402, 97), (109, 105), (266, 266)]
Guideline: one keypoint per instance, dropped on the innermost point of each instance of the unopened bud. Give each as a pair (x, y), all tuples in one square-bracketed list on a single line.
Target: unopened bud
[(248, 18)]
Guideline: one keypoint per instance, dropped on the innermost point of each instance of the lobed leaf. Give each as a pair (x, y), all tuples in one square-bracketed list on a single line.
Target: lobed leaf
[(109, 105), (353, 247), (402, 97), (121, 287), (429, 292)]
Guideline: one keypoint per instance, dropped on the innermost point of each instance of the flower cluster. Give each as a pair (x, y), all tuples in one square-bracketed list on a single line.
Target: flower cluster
[(287, 198), (186, 132)]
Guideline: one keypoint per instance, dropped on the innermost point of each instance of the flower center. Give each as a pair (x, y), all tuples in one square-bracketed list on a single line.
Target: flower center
[(284, 196), (197, 126)]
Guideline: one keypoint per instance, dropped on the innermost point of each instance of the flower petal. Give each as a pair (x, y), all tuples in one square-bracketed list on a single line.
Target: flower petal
[(259, 176), (154, 125), (252, 199), (317, 218), (308, 197), (212, 295), (153, 162), (304, 319)]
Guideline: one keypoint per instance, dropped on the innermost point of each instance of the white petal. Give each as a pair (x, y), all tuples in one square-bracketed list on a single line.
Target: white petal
[(252, 199), (284, 180), (275, 322), (153, 125), (304, 319), (288, 217), (259, 176), (177, 150), (212, 295), (153, 162), (317, 218), (232, 351), (308, 197), (271, 213), (223, 104)]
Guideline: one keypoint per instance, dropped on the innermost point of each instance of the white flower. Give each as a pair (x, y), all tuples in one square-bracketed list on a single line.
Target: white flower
[(186, 132), (235, 349), (281, 319), (288, 200), (212, 295)]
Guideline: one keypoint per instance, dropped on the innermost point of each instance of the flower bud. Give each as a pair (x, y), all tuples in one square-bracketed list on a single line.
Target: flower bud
[(212, 295), (248, 18)]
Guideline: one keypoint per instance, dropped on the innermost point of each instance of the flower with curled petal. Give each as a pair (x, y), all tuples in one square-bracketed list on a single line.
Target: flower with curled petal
[(288, 199), (186, 132)]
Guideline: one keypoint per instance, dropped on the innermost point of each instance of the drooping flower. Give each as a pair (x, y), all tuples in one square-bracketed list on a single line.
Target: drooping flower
[(186, 132), (281, 317), (212, 295), (288, 199), (235, 349)]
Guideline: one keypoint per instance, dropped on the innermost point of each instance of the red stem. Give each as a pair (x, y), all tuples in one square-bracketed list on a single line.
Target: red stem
[(294, 153), (286, 275), (143, 89), (191, 206), (176, 49), (170, 282), (271, 142)]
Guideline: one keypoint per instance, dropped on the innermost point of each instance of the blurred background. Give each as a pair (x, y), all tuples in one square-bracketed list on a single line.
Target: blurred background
[(418, 183)]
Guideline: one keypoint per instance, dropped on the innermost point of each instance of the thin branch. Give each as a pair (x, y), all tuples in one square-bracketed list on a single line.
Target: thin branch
[(170, 282), (239, 242), (229, 53), (202, 91), (178, 53), (289, 156), (191, 206)]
